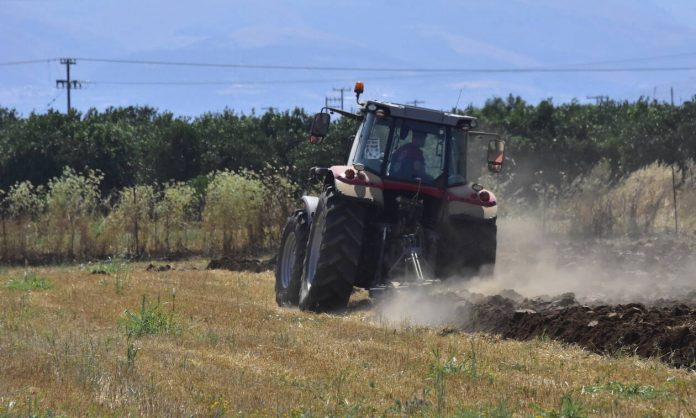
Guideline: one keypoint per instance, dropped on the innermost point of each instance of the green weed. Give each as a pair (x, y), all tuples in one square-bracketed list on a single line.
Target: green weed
[(501, 410), (29, 281), (626, 390), (112, 266), (441, 368), (150, 320), (570, 408)]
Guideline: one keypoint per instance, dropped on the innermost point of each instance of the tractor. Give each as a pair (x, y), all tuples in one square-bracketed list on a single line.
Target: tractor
[(405, 210)]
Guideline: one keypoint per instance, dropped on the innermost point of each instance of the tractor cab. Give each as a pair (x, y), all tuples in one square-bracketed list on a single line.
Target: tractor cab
[(427, 147)]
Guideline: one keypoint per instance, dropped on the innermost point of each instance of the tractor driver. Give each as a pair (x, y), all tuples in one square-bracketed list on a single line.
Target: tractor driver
[(409, 161)]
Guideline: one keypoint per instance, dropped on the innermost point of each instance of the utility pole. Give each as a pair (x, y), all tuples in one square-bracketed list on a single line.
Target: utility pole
[(415, 102), (67, 83), (598, 99), (671, 95), (328, 100), (342, 89)]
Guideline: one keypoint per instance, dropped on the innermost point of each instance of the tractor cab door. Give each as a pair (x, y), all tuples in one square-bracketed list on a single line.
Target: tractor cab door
[(473, 155)]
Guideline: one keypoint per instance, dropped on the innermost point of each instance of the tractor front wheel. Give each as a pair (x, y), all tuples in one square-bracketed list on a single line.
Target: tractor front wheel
[(333, 253), (290, 258)]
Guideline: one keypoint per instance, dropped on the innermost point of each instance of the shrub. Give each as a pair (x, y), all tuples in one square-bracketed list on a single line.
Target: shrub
[(280, 202), (72, 200), (133, 215), (233, 209), (174, 210), (25, 203)]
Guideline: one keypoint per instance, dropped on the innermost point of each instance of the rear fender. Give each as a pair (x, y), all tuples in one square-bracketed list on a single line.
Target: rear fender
[(364, 186), (464, 202)]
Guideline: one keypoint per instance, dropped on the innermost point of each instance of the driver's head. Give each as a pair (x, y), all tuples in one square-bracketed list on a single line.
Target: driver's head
[(418, 138)]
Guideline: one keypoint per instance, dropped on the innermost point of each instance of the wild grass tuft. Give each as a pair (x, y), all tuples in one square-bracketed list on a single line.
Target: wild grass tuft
[(626, 390), (441, 367), (570, 408), (150, 320), (500, 410), (29, 281)]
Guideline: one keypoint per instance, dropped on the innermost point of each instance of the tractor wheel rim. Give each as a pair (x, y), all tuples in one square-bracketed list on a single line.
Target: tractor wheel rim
[(314, 254), (288, 261)]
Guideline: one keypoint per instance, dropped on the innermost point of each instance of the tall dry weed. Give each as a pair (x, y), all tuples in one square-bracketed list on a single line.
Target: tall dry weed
[(175, 211), (25, 204), (233, 213), (72, 202), (638, 204), (133, 217)]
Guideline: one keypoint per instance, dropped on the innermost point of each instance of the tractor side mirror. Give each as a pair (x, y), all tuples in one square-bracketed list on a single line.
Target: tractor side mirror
[(496, 155), (320, 127)]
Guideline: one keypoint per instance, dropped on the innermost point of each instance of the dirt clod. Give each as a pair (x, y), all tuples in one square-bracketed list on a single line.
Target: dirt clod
[(156, 268), (241, 264)]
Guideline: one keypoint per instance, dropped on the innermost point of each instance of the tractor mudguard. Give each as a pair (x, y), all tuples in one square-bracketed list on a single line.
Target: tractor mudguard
[(310, 206), (361, 185), (466, 201)]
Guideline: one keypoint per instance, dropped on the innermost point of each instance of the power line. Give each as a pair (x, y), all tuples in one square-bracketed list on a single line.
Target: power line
[(556, 69), (205, 83), (256, 82), (620, 61), (548, 69), (41, 61)]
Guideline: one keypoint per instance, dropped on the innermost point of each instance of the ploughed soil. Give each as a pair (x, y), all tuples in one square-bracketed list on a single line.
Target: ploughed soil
[(666, 332), (636, 297)]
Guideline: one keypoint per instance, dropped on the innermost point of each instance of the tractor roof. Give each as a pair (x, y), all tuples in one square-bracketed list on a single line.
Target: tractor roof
[(422, 114)]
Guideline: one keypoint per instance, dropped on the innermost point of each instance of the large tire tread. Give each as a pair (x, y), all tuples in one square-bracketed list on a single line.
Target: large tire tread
[(342, 223), (297, 224)]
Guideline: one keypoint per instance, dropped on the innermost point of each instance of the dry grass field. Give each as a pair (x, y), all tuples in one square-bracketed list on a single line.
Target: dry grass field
[(117, 340)]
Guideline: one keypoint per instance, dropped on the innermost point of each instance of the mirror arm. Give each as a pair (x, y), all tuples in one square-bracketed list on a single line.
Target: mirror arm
[(343, 113), (484, 133)]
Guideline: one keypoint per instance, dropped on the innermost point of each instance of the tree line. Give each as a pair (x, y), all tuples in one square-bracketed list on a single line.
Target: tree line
[(131, 146)]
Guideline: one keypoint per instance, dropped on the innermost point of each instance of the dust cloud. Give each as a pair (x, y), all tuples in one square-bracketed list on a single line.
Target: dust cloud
[(534, 264)]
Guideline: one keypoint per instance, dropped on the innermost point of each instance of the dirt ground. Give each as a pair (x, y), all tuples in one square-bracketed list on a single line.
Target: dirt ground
[(610, 296)]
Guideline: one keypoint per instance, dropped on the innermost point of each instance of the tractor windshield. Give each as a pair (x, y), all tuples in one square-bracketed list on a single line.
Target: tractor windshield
[(413, 150), (417, 151)]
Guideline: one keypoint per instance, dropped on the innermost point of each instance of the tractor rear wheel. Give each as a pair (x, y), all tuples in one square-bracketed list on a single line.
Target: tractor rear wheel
[(469, 250), (291, 257), (333, 253)]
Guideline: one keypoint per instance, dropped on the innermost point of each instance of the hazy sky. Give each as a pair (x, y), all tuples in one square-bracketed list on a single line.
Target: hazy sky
[(353, 38)]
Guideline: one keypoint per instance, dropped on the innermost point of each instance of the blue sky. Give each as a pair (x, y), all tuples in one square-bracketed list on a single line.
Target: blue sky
[(436, 34)]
